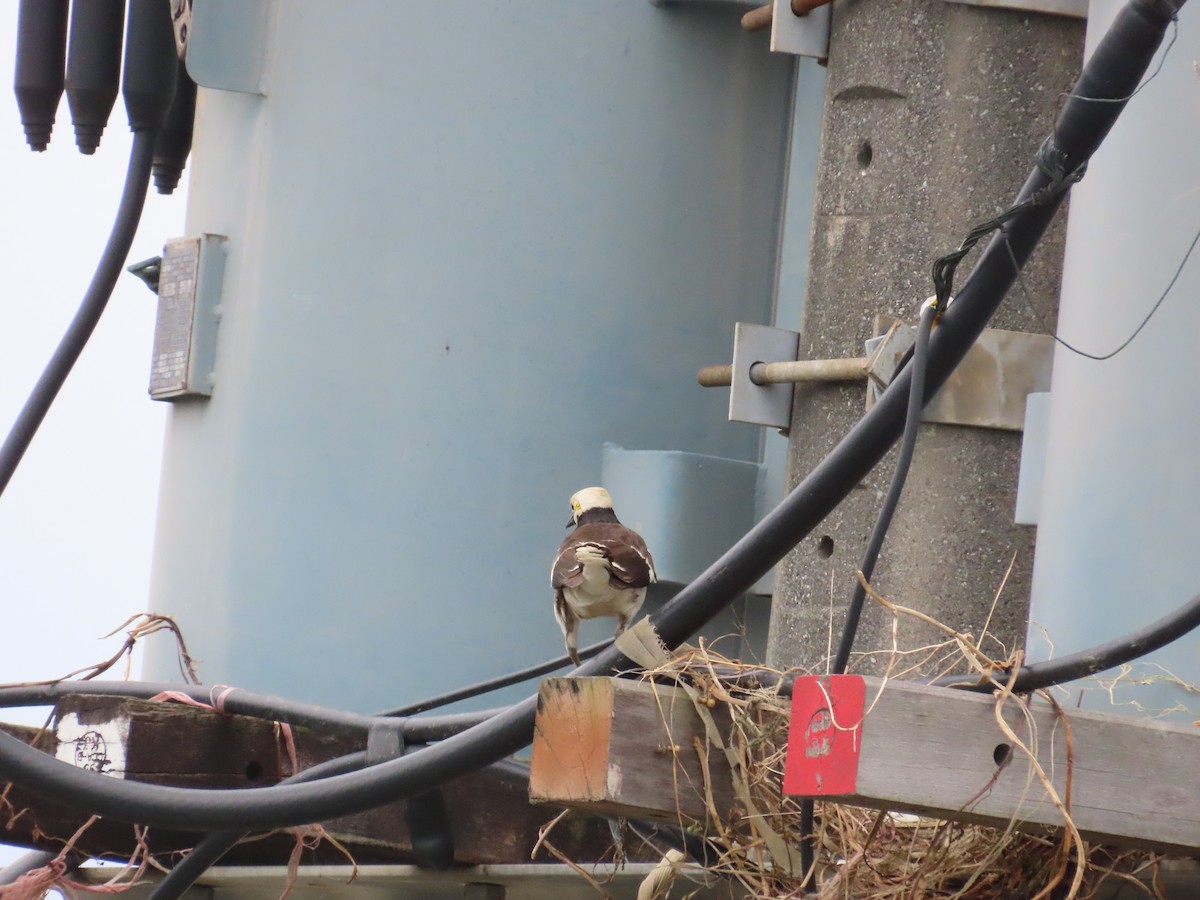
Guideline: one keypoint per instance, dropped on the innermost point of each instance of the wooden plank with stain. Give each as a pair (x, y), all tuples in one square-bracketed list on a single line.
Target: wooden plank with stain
[(625, 748), (491, 818), (1135, 782)]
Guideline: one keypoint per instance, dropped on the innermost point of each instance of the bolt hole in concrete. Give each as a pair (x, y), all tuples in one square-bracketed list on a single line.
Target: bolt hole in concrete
[(825, 546), (254, 771), (1002, 753), (865, 155)]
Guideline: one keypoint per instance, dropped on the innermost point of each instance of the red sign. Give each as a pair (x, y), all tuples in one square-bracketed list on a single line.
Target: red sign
[(824, 736)]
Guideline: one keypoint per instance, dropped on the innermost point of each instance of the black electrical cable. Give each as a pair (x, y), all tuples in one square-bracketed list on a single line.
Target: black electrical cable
[(1108, 655), (237, 701), (1032, 677), (1113, 70), (908, 443), (494, 684), (231, 700), (148, 86), (209, 850), (129, 213)]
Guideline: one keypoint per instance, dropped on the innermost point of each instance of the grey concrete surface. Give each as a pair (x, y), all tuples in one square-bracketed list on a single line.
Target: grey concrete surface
[(933, 114)]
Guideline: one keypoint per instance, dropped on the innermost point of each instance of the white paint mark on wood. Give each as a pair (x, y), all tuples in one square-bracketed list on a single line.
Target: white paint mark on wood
[(97, 747)]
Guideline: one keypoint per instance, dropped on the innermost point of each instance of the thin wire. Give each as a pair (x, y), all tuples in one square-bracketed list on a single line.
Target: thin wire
[(1065, 95), (1129, 340), (493, 684), (1052, 161)]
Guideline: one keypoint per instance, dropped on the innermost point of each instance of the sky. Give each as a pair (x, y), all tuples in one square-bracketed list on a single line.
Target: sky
[(77, 520)]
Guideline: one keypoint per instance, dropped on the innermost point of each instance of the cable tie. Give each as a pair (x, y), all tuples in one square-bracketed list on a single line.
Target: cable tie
[(218, 699), (180, 697), (1052, 160), (937, 306)]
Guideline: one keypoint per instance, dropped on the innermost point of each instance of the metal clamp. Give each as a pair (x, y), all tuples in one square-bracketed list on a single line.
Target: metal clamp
[(425, 814), (986, 390)]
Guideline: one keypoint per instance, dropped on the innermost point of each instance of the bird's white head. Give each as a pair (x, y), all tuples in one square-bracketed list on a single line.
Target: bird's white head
[(588, 498)]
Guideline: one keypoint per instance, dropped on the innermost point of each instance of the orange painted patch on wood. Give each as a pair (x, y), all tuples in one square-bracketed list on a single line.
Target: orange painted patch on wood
[(571, 740), (624, 748)]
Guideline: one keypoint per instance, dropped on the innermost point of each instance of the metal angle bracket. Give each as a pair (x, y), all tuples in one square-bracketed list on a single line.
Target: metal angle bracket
[(806, 35), (227, 44), (766, 404), (988, 389)]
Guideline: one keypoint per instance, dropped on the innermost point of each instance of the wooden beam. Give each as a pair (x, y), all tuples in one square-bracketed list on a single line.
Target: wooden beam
[(1134, 782), (491, 818), (624, 748)]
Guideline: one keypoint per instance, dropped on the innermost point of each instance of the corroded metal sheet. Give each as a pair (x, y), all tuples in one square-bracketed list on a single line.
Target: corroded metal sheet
[(989, 387)]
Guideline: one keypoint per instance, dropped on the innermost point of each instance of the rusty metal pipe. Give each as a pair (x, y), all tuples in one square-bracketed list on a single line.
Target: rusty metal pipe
[(803, 7), (761, 16), (854, 369), (758, 18)]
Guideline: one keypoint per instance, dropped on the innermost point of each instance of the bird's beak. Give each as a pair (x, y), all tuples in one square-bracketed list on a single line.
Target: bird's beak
[(572, 522)]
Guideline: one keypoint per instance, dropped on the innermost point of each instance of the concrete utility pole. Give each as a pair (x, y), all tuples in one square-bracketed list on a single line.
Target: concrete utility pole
[(933, 113)]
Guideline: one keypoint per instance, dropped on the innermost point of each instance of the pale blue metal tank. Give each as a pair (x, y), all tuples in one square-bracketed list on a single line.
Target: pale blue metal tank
[(1117, 535), (468, 244)]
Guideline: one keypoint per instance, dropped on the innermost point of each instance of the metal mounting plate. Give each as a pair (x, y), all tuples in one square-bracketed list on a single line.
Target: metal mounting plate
[(768, 404), (806, 35), (989, 387)]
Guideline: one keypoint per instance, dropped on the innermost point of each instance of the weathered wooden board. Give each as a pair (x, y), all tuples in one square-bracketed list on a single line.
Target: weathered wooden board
[(491, 818), (1134, 782), (623, 748)]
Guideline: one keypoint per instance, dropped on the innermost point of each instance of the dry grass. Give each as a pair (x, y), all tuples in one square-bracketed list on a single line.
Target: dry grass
[(865, 854)]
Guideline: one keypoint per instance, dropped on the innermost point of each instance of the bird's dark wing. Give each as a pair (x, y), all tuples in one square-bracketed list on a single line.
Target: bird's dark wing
[(567, 571), (628, 560)]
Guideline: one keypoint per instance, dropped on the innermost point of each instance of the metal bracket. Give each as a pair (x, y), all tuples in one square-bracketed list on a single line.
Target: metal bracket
[(806, 35), (425, 814), (227, 44), (181, 18), (1076, 8), (1032, 473), (766, 404), (885, 353), (987, 389), (185, 333)]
